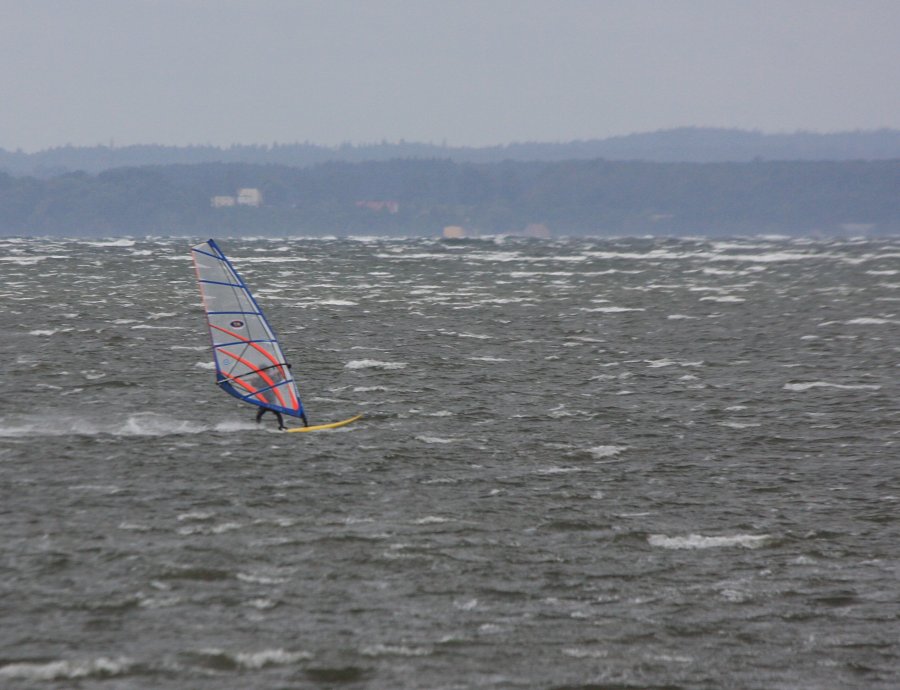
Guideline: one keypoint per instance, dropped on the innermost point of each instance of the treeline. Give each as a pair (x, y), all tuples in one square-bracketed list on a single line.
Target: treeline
[(595, 197), (687, 144)]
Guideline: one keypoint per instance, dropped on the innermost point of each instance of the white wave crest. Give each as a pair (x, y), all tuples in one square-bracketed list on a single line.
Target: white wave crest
[(195, 515), (268, 657), (141, 424), (612, 310), (696, 541), (769, 257), (825, 384), (606, 451), (49, 331), (431, 520), (150, 424), (435, 439), (260, 579), (870, 321), (585, 653), (23, 260), (121, 242), (726, 299), (234, 425), (55, 670), (466, 604), (739, 425), (373, 364), (394, 650)]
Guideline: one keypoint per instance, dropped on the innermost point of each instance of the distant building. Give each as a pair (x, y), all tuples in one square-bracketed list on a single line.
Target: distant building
[(222, 201), (389, 206), (454, 232), (249, 196)]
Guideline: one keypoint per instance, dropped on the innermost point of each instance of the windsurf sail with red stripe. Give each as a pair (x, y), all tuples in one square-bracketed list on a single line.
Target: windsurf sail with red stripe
[(250, 364)]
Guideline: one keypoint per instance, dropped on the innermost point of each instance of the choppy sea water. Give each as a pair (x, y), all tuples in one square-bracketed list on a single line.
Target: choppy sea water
[(584, 464)]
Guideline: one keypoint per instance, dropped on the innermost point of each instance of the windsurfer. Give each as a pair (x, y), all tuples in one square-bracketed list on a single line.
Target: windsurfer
[(265, 391), (262, 410)]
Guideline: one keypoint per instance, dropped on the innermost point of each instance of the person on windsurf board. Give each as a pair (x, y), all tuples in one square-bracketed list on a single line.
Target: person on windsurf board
[(265, 389), (249, 362), (262, 410)]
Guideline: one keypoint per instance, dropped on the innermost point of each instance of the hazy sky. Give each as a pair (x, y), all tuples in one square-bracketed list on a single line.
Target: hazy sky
[(468, 72)]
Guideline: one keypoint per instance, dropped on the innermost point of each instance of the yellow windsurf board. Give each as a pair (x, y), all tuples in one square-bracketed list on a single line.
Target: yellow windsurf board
[(321, 427)]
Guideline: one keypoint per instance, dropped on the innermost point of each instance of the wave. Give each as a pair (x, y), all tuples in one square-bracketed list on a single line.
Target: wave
[(725, 299), (102, 667), (268, 657), (394, 650), (373, 364), (220, 659), (121, 242), (606, 451), (435, 439), (49, 331), (29, 260), (824, 384), (870, 321), (696, 541), (141, 424)]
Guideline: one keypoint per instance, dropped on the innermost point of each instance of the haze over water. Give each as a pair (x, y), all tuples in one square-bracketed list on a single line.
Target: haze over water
[(584, 463)]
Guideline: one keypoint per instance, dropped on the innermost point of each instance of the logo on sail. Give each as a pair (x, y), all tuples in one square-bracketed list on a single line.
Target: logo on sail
[(236, 323)]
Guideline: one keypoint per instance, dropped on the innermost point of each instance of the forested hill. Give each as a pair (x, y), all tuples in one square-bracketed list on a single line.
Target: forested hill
[(697, 145), (421, 197)]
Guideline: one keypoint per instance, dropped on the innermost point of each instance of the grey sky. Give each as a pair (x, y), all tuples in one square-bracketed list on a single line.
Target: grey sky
[(466, 72)]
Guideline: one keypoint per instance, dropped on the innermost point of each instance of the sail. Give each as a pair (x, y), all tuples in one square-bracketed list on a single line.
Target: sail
[(249, 362)]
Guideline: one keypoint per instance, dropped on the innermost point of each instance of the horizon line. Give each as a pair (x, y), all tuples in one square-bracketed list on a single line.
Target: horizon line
[(111, 145)]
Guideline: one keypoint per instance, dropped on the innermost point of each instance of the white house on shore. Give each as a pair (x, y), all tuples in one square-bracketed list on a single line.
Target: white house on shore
[(249, 196), (246, 196), (222, 201)]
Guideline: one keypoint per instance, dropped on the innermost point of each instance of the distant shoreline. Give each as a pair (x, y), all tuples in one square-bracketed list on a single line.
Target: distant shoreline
[(431, 198), (685, 144)]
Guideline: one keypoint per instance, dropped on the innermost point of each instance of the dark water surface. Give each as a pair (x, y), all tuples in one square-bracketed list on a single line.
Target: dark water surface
[(587, 463)]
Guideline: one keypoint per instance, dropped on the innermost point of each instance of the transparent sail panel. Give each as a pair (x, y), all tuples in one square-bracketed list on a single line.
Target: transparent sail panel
[(249, 362)]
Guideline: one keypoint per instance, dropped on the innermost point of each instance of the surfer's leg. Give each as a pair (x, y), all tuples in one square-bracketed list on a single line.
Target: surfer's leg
[(259, 413), (303, 417), (281, 426)]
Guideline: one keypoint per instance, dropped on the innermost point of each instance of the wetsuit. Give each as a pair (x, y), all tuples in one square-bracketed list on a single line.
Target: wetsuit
[(262, 410), (269, 397)]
